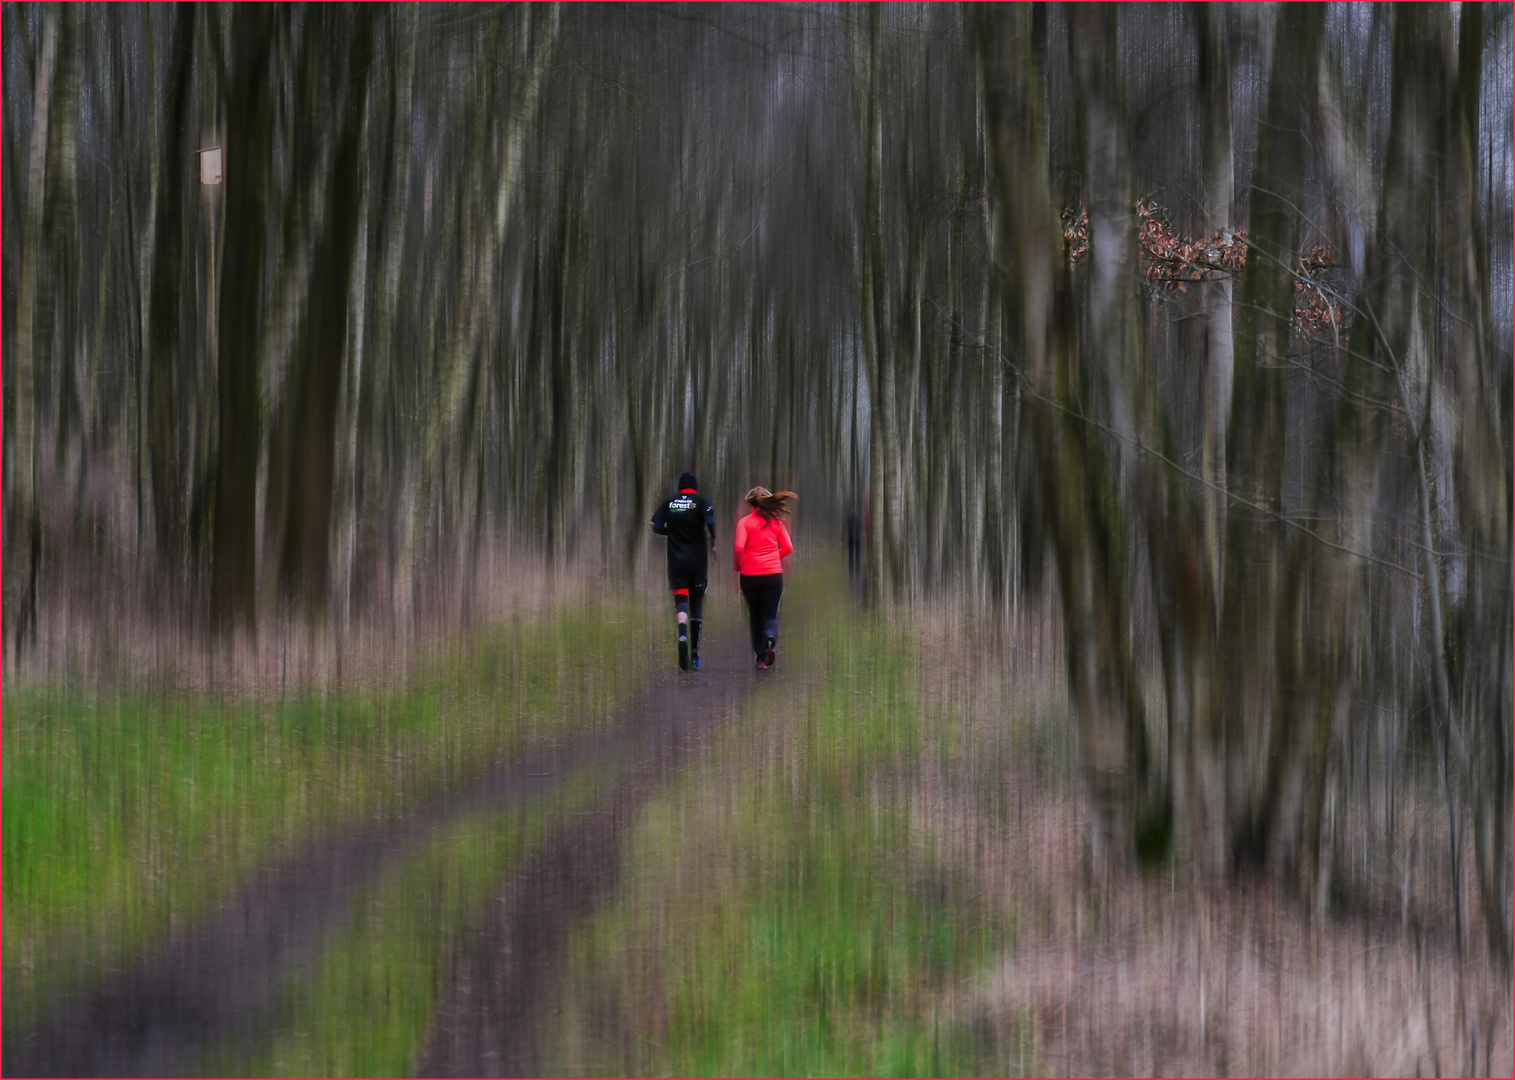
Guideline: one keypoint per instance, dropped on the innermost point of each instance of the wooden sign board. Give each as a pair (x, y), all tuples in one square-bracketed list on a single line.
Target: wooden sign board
[(210, 165)]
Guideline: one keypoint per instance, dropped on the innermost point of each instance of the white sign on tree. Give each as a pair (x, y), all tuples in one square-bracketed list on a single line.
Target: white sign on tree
[(210, 165)]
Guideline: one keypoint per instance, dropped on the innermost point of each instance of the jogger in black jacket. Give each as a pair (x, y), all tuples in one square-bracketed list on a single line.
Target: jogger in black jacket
[(686, 519)]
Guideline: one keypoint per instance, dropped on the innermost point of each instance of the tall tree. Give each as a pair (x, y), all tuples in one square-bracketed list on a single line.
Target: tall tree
[(248, 179)]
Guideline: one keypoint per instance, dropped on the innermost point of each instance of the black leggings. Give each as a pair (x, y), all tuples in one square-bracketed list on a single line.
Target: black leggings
[(762, 592)]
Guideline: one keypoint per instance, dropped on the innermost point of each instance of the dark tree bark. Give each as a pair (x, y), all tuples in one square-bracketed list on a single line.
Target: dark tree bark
[(247, 182), (307, 540), (165, 419)]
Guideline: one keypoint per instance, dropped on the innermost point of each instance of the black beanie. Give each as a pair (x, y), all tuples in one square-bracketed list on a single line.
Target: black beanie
[(686, 480)]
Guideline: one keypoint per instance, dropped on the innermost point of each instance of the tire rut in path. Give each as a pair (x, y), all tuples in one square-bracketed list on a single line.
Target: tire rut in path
[(220, 982), (490, 1023)]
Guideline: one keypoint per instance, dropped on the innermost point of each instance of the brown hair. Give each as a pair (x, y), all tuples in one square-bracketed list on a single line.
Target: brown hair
[(771, 504)]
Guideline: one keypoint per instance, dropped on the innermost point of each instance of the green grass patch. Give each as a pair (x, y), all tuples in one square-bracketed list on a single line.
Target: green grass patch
[(366, 1006), (827, 960), (126, 815), (784, 911)]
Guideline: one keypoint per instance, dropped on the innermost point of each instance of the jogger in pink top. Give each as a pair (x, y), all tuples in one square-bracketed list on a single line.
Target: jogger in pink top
[(760, 545)]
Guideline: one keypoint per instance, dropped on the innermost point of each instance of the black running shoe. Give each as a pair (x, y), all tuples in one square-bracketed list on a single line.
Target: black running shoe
[(683, 649)]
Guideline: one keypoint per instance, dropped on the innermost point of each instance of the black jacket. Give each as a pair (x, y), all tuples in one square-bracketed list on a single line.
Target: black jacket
[(685, 519)]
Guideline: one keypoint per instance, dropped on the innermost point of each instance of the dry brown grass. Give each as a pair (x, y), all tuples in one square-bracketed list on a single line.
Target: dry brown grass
[(99, 622), (1125, 972), (1139, 975), (103, 617)]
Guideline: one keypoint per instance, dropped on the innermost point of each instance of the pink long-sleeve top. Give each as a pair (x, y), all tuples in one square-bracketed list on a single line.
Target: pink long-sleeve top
[(759, 544)]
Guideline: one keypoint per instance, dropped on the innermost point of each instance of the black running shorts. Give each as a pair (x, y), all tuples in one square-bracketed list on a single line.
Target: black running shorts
[(686, 576)]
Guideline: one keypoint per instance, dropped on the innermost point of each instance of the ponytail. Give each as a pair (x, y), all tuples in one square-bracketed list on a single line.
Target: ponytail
[(770, 504)]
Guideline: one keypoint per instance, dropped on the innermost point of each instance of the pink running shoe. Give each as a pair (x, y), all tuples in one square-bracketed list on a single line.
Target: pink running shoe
[(760, 665)]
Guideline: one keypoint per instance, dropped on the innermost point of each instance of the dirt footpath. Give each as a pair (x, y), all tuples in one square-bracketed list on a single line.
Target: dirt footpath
[(219, 982), (488, 1025)]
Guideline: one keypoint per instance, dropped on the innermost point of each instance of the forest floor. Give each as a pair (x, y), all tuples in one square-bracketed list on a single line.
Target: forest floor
[(255, 983), (871, 860)]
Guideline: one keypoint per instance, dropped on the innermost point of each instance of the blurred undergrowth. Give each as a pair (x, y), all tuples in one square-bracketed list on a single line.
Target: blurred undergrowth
[(786, 905), (128, 815), (366, 1004), (784, 911)]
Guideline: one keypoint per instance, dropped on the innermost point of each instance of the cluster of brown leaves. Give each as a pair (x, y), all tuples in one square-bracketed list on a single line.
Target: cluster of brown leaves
[(1076, 232), (1315, 312), (1169, 259), (1176, 260)]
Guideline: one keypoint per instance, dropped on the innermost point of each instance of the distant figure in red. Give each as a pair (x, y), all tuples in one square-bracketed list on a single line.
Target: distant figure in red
[(757, 553)]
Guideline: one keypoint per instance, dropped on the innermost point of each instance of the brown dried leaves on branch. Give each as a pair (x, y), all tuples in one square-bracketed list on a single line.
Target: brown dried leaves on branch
[(1171, 261)]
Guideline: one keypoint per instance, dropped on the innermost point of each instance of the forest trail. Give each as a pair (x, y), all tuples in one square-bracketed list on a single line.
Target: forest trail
[(486, 1025), (220, 984)]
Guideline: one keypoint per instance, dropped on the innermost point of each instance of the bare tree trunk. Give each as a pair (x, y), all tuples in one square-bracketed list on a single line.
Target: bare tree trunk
[(307, 539), (881, 444), (467, 330), (23, 539), (387, 308), (342, 552), (1219, 169), (164, 419), (1481, 637), (1253, 574), (1074, 483), (1120, 350), (234, 556)]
